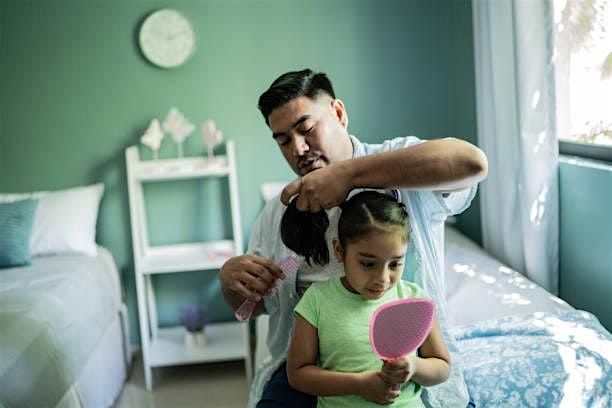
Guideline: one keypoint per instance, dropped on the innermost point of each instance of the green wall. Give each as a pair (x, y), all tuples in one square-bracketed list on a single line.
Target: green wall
[(75, 92), (585, 252)]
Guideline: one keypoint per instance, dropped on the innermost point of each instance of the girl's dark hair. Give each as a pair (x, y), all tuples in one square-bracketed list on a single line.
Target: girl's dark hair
[(292, 85), (304, 232)]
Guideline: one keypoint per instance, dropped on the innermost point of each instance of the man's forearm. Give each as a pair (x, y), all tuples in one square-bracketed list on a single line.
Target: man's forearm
[(441, 165)]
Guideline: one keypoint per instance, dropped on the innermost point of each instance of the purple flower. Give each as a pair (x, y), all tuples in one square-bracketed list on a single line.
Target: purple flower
[(194, 317)]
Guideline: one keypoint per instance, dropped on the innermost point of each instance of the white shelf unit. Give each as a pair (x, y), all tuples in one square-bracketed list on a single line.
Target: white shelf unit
[(166, 346)]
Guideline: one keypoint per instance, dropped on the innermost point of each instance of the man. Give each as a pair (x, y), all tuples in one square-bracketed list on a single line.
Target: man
[(437, 178)]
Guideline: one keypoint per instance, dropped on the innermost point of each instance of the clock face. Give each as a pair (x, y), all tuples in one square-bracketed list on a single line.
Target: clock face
[(167, 38)]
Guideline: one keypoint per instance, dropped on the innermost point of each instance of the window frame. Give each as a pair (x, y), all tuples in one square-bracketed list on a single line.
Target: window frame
[(586, 150)]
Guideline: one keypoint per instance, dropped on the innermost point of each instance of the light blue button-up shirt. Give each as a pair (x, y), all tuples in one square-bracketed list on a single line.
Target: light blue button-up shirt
[(424, 265)]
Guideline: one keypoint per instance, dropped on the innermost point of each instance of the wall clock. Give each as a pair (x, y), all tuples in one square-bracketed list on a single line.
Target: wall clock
[(167, 38)]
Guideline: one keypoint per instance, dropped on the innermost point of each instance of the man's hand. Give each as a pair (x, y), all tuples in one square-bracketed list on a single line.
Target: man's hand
[(399, 371), (376, 390), (323, 188), (248, 276)]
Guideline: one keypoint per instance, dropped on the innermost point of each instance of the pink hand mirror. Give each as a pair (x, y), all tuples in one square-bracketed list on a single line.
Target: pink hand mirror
[(400, 327)]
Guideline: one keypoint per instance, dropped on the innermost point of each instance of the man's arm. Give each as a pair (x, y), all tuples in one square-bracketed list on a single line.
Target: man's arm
[(251, 276), (439, 165)]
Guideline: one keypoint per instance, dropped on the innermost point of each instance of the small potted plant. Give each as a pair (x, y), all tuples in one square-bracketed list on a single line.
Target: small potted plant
[(194, 318)]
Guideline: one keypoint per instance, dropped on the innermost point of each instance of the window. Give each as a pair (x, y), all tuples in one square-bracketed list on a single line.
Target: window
[(583, 71)]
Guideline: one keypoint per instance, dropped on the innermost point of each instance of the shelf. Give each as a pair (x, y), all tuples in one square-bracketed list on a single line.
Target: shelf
[(166, 346), (177, 169), (224, 341), (187, 257)]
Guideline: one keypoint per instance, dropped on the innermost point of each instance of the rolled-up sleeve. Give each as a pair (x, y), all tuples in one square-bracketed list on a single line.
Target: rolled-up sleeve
[(440, 205)]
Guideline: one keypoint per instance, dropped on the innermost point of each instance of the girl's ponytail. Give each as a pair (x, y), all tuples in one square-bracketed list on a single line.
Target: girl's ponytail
[(304, 233)]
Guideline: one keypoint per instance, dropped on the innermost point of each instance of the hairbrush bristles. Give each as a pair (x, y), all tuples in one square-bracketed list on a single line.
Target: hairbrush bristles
[(289, 266), (398, 328)]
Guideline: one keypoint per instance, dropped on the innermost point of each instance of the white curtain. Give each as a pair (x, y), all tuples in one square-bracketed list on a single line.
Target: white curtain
[(513, 44)]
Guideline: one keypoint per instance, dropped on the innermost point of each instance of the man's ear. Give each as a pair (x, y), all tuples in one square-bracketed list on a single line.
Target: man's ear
[(338, 250), (340, 112)]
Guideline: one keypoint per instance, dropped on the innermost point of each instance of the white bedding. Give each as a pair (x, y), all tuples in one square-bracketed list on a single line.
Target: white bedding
[(522, 346), (54, 315), (480, 287)]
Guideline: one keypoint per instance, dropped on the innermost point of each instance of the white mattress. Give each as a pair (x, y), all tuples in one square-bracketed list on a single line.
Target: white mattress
[(53, 315), (479, 287)]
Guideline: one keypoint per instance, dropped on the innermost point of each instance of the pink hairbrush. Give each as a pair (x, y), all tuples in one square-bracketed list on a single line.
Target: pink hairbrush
[(398, 328), (289, 266)]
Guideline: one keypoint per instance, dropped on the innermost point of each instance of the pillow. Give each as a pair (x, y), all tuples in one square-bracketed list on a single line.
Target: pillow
[(65, 220), (16, 220)]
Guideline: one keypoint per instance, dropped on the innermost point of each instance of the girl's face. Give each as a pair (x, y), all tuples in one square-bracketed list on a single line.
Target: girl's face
[(374, 263)]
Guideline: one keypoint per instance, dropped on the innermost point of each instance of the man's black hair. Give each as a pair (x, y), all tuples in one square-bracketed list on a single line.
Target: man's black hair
[(292, 85)]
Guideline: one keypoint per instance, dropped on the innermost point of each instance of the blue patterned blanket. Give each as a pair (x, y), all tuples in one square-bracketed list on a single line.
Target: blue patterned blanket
[(561, 359)]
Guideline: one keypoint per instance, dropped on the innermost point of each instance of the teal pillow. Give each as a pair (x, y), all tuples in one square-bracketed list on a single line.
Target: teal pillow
[(16, 221)]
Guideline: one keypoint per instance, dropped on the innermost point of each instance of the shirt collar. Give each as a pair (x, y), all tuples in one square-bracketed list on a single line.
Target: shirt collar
[(358, 147)]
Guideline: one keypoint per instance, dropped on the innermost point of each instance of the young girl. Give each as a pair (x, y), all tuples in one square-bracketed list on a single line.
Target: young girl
[(330, 353)]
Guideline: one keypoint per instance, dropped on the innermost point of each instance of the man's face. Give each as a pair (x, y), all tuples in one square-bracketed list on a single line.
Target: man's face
[(311, 134)]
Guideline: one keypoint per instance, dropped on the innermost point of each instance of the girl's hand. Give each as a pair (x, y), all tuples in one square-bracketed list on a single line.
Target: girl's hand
[(375, 389), (399, 371)]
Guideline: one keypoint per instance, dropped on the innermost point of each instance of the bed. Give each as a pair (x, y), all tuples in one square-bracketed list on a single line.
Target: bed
[(63, 339), (520, 345)]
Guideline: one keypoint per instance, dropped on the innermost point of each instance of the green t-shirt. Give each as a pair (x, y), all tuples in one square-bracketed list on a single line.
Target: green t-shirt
[(342, 320)]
